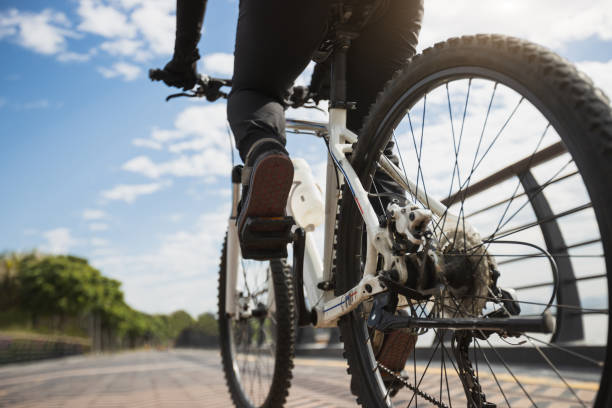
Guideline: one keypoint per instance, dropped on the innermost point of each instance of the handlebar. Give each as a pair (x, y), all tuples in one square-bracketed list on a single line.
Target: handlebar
[(210, 88), (207, 87)]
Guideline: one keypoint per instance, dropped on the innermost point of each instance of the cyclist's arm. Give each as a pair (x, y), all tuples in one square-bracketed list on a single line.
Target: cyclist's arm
[(181, 71), (189, 19)]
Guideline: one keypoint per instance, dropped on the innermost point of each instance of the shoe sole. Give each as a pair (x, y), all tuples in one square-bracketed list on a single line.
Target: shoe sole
[(269, 188)]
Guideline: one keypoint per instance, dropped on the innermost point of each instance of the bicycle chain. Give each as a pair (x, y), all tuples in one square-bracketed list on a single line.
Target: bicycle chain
[(467, 375), (472, 387), (413, 388), (465, 367)]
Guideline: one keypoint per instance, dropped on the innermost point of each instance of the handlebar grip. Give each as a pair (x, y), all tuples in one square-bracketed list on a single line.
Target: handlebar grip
[(156, 74)]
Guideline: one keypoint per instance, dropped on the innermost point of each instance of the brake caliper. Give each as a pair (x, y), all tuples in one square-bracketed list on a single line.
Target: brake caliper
[(407, 224)]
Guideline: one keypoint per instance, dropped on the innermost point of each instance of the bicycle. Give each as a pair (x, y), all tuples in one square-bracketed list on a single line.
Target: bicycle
[(421, 267)]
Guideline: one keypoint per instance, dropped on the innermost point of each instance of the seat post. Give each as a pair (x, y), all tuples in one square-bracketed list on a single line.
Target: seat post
[(337, 94)]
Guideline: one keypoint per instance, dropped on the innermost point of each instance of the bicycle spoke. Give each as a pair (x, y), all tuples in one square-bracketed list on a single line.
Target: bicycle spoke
[(536, 192), (499, 132), (518, 184), (446, 378), (414, 396), (471, 173), (418, 150), (577, 308), (501, 359), (500, 127), (494, 376), (456, 149), (456, 145), (414, 199), (556, 370), (566, 350), (444, 350), (384, 210)]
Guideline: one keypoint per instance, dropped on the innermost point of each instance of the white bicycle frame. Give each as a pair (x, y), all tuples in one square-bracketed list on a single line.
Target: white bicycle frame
[(330, 308)]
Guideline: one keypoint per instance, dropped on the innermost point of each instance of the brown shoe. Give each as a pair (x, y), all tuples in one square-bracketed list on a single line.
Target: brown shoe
[(266, 179), (395, 350)]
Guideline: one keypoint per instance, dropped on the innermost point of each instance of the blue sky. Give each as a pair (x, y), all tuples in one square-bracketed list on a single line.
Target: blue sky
[(95, 163)]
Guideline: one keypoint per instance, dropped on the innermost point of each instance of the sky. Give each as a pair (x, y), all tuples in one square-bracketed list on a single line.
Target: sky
[(94, 163)]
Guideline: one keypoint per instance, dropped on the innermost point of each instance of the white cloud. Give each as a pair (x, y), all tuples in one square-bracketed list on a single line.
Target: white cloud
[(209, 162), (138, 29), (68, 56), (130, 192), (200, 131), (6, 28), (157, 25), (98, 242), (176, 217), (89, 214), (161, 135), (59, 241), (43, 32), (209, 121), (151, 144), (182, 271), (304, 78), (218, 64), (135, 30), (98, 226), (127, 71), (125, 47), (551, 23), (104, 20), (142, 165), (37, 104)]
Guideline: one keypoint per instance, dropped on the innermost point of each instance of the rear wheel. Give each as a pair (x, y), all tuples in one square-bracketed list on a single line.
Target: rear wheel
[(518, 144), (257, 346)]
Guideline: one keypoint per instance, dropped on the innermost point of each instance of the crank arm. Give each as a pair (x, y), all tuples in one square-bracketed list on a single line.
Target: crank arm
[(332, 310)]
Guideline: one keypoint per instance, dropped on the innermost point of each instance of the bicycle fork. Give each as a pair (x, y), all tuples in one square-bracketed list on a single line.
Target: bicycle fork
[(233, 246)]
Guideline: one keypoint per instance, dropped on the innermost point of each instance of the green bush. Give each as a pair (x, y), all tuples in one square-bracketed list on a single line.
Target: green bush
[(64, 294)]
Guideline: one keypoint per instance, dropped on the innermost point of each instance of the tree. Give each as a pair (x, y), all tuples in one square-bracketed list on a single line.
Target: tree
[(177, 321), (57, 285), (208, 324), (67, 287), (9, 280)]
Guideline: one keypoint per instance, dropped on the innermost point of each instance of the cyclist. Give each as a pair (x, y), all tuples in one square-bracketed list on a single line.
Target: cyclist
[(275, 41)]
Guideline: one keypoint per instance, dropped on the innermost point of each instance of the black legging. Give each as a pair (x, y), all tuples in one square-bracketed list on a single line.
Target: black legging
[(275, 40)]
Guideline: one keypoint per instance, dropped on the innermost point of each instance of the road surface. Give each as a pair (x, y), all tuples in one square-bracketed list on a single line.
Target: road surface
[(193, 378)]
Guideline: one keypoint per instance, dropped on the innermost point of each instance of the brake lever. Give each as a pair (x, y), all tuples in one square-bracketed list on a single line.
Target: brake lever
[(178, 95), (208, 87)]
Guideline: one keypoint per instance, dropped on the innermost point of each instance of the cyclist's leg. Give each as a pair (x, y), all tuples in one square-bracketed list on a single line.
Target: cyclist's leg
[(275, 40), (381, 49)]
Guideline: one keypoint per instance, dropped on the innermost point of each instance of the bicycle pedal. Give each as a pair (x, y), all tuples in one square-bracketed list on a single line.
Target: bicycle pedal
[(265, 237)]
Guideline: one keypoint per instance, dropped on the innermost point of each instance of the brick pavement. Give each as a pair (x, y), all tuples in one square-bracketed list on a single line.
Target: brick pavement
[(193, 378)]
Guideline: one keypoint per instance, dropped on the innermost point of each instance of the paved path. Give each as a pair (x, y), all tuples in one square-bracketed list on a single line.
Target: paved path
[(193, 378)]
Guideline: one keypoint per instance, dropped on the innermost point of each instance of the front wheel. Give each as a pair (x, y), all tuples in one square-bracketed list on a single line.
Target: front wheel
[(518, 145), (257, 345)]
